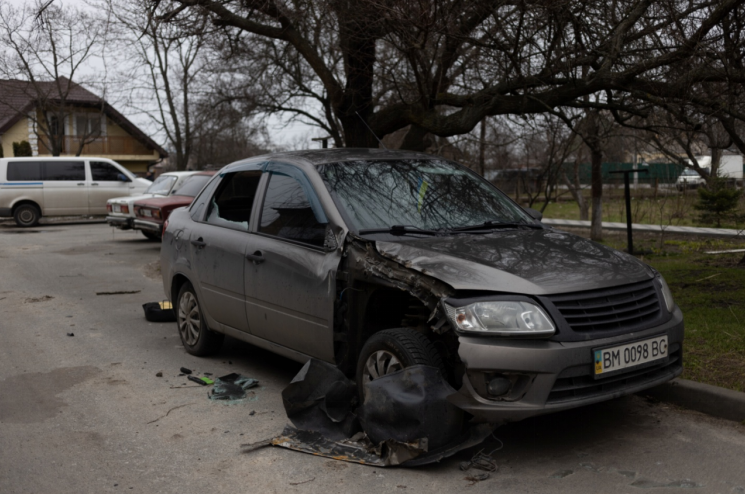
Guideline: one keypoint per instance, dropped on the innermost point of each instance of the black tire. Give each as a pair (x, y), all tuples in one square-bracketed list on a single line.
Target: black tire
[(409, 347), (196, 337), (26, 215), (151, 236)]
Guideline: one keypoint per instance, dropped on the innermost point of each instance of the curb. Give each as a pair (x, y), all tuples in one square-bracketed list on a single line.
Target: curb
[(711, 400)]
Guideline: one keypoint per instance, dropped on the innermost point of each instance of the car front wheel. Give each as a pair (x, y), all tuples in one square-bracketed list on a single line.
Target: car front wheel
[(195, 335), (26, 215), (391, 350)]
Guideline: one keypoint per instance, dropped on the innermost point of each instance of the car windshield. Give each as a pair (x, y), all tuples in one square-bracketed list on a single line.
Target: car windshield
[(690, 173), (192, 185), (426, 194), (161, 185)]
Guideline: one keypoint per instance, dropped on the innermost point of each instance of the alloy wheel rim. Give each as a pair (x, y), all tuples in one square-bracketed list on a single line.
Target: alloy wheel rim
[(380, 363), (189, 319)]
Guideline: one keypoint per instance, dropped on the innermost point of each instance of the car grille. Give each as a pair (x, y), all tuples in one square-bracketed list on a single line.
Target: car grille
[(582, 385), (625, 307)]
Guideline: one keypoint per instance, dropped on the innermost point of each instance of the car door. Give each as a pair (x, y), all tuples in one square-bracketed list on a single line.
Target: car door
[(107, 181), (218, 243), (290, 274), (65, 187)]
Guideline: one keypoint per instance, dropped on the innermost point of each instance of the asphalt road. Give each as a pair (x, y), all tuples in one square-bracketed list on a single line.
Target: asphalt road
[(87, 413)]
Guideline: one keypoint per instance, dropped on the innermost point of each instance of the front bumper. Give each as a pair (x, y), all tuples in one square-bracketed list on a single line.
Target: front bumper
[(149, 226), (551, 376), (121, 222)]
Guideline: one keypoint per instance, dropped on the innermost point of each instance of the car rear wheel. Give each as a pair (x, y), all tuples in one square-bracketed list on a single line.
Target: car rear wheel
[(151, 236), (195, 335), (391, 350), (26, 215)]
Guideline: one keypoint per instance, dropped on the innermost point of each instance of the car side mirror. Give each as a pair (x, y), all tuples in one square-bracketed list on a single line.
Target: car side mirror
[(535, 214), (123, 178)]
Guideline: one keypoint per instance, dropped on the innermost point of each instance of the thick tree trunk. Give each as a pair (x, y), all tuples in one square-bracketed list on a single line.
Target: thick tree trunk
[(596, 227)]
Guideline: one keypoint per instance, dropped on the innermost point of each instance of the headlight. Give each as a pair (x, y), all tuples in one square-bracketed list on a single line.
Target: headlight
[(666, 294), (503, 318)]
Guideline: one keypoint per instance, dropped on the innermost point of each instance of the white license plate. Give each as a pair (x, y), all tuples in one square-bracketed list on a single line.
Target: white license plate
[(608, 360), (117, 208)]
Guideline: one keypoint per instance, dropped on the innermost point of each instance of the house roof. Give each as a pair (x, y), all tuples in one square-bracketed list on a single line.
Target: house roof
[(18, 97)]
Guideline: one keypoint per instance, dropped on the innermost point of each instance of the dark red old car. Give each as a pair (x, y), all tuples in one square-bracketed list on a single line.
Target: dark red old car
[(151, 214)]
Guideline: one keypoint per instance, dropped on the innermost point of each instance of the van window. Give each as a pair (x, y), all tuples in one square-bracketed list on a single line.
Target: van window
[(24, 171), (104, 171), (64, 170)]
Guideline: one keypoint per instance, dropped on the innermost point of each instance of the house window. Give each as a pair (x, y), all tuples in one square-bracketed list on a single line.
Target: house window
[(88, 125)]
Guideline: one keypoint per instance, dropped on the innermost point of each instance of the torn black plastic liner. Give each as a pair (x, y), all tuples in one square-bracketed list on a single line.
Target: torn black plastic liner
[(405, 417), (320, 398)]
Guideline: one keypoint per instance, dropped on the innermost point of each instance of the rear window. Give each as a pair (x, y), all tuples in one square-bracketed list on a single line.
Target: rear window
[(24, 171), (192, 185)]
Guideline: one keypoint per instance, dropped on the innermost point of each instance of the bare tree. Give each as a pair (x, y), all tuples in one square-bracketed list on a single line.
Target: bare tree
[(440, 67), (44, 50)]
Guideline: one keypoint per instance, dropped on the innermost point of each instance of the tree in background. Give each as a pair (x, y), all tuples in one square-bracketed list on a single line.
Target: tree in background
[(717, 201)]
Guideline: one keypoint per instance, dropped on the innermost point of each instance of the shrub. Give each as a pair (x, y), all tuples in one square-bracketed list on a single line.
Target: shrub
[(717, 201), (22, 148)]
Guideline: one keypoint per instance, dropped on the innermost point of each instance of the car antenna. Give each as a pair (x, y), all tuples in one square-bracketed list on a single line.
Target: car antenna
[(371, 131)]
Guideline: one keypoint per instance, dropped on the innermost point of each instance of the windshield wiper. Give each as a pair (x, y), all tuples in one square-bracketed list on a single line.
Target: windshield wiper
[(487, 225), (399, 230)]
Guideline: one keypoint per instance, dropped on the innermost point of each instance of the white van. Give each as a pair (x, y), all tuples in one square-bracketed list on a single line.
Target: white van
[(34, 187)]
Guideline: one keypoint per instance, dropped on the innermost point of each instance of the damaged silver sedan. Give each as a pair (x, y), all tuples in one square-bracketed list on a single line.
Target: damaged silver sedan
[(377, 260)]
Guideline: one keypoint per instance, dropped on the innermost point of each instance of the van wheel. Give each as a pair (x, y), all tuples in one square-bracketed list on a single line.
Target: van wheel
[(391, 350), (196, 337), (26, 215), (151, 236)]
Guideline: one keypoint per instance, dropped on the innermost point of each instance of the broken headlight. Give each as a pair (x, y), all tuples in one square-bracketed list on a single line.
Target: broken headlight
[(503, 318)]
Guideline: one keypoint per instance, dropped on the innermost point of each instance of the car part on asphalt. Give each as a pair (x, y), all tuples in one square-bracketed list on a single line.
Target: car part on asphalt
[(203, 381), (232, 387), (159, 311), (195, 336), (184, 370), (405, 417), (322, 399)]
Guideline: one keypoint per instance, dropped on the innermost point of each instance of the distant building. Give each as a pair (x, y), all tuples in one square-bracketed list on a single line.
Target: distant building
[(80, 119)]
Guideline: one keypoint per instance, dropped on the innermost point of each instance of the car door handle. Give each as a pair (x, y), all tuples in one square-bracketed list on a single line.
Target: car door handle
[(257, 257), (81, 184), (198, 243), (94, 183)]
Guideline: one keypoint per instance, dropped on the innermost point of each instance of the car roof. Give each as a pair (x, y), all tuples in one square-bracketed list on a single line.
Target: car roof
[(316, 157)]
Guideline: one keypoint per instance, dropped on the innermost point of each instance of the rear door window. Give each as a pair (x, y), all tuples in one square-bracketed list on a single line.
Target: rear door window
[(24, 171), (287, 212), (104, 172), (64, 171)]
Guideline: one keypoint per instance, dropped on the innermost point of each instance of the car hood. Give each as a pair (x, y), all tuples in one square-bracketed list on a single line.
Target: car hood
[(531, 262)]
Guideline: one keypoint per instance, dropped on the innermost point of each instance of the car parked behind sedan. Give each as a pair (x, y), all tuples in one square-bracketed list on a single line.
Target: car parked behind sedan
[(151, 214), (121, 213), (376, 260)]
